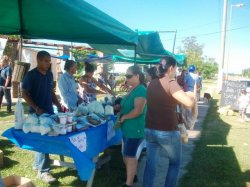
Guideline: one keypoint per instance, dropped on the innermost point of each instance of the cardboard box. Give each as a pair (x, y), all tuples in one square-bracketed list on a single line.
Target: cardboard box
[(17, 181)]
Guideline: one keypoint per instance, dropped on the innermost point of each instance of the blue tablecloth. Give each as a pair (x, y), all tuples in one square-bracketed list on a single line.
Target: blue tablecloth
[(61, 145)]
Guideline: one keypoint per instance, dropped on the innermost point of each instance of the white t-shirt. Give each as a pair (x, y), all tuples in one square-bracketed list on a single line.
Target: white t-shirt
[(243, 101)]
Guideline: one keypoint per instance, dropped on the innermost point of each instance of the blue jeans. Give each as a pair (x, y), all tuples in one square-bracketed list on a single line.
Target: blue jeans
[(170, 143), (42, 162), (7, 95)]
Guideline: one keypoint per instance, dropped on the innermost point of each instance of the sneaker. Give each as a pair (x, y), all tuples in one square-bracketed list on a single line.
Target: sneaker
[(46, 177)]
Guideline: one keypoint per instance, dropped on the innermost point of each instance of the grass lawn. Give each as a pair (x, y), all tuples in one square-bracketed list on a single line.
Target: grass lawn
[(222, 155), (19, 162)]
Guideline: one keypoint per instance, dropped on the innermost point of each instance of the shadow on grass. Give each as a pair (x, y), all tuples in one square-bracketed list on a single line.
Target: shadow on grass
[(247, 175), (108, 175), (5, 113), (214, 162), (5, 146)]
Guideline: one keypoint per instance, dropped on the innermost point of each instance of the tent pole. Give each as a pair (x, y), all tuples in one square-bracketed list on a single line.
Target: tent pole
[(20, 9), (20, 49), (174, 41), (135, 55)]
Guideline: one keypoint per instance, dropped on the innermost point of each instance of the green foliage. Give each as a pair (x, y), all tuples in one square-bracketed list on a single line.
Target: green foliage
[(111, 66), (194, 52), (209, 68), (246, 72), (120, 79), (80, 55), (10, 46)]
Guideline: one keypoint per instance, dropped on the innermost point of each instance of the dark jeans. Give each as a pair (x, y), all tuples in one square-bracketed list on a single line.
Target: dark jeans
[(42, 162), (7, 95)]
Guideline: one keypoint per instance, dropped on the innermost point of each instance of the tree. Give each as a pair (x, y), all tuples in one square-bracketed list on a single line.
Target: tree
[(246, 72), (193, 51), (11, 48)]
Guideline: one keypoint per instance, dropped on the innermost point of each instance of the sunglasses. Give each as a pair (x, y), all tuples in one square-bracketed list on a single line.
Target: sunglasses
[(129, 76)]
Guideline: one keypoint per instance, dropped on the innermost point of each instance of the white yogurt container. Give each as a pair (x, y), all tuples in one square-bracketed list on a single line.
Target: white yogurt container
[(69, 128), (62, 119), (69, 117)]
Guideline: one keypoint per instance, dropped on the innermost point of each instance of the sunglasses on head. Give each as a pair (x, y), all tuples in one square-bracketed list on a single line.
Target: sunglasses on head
[(128, 76)]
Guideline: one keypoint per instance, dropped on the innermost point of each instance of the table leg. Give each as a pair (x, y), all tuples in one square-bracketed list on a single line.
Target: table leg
[(91, 180)]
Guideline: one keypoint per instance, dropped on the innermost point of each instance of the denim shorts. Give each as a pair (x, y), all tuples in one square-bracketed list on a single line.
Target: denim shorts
[(130, 146)]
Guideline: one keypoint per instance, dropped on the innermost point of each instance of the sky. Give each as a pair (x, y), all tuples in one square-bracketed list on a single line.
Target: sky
[(199, 18)]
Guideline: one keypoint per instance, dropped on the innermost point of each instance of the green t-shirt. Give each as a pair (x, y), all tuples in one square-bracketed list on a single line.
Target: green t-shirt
[(133, 128)]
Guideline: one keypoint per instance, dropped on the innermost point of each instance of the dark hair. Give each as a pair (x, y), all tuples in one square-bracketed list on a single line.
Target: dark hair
[(69, 64), (153, 72), (137, 71), (41, 54), (165, 63), (89, 68)]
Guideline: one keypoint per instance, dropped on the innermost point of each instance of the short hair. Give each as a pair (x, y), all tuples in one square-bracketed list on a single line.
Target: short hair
[(41, 54), (69, 64), (89, 68)]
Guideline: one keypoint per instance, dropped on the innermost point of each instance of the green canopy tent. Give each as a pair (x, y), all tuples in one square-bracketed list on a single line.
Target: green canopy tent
[(75, 21), (149, 50), (179, 57), (149, 46)]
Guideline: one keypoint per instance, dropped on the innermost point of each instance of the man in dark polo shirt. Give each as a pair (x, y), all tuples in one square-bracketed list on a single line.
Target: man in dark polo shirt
[(37, 88), (5, 82)]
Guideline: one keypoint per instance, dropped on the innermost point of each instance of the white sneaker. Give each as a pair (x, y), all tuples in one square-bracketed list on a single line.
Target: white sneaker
[(46, 177)]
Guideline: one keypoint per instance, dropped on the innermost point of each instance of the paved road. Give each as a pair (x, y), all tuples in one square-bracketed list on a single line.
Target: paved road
[(186, 152)]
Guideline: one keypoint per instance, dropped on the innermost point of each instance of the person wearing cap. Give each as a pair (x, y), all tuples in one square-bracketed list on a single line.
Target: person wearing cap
[(68, 86), (191, 79)]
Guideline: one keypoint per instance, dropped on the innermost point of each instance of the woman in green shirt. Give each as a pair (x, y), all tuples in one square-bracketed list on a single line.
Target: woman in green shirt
[(133, 111)]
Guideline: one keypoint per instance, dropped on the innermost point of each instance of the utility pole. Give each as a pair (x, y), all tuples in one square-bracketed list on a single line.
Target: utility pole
[(222, 52)]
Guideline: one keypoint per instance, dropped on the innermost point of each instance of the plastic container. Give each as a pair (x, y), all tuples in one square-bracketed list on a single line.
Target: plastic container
[(64, 131), (62, 119), (55, 109), (69, 128), (69, 117)]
